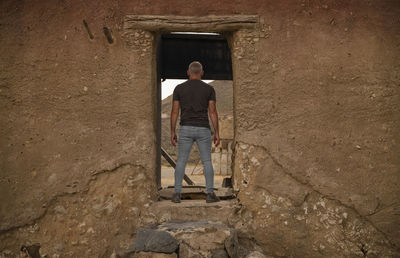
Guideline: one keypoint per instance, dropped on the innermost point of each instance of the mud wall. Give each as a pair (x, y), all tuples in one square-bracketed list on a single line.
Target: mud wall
[(77, 125), (317, 129), (316, 97)]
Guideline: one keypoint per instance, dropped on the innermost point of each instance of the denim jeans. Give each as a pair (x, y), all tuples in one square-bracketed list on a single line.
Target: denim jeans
[(186, 136)]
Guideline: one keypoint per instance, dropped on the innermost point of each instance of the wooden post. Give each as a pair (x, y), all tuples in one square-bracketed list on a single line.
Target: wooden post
[(173, 164)]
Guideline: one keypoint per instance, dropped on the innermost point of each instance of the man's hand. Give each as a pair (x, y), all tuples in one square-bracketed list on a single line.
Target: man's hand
[(174, 117), (212, 111), (174, 138), (216, 139)]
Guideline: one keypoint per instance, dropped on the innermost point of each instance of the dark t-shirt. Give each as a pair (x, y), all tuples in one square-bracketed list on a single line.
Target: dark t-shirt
[(193, 97)]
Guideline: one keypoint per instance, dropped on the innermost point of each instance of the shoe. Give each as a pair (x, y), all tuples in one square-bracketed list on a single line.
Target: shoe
[(211, 197), (176, 198)]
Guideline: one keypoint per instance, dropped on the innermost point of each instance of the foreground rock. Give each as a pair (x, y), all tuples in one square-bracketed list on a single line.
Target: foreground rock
[(158, 241), (153, 255), (194, 238)]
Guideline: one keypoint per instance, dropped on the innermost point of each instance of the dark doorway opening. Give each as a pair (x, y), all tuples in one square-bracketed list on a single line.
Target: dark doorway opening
[(175, 51)]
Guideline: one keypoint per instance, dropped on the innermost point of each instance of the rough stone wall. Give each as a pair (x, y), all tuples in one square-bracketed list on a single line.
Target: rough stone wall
[(316, 97)]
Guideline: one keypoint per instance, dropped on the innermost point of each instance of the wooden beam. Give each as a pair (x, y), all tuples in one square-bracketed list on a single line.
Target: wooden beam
[(173, 164), (211, 23)]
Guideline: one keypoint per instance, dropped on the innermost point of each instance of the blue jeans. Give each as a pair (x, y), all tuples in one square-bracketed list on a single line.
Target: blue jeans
[(187, 135)]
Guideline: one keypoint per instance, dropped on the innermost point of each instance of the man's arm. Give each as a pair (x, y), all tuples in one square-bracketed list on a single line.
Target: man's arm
[(174, 118), (212, 111)]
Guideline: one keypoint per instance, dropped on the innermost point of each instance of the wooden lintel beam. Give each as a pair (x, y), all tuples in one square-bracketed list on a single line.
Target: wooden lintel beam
[(211, 23)]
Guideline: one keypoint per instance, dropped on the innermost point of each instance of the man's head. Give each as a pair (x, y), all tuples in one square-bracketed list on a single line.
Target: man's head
[(195, 71)]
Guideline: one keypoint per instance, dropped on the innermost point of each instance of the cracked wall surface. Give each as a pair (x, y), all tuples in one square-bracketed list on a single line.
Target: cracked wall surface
[(316, 98), (77, 128), (290, 218), (317, 120)]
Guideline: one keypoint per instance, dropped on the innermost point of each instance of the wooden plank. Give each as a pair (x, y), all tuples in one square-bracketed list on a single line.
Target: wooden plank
[(173, 164), (196, 193), (211, 23)]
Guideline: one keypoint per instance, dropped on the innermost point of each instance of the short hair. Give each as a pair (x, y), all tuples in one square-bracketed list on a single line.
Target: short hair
[(195, 67)]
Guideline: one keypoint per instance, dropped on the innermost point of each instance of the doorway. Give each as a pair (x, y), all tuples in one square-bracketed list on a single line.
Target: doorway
[(175, 51)]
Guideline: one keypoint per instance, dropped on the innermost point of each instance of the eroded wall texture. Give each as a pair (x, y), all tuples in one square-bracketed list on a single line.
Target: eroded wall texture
[(316, 98)]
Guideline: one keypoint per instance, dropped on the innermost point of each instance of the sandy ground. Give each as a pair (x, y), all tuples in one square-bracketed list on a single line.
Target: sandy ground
[(167, 177)]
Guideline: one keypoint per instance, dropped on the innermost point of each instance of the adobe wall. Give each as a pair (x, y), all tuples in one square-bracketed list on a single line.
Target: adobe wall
[(77, 128), (317, 129), (316, 97)]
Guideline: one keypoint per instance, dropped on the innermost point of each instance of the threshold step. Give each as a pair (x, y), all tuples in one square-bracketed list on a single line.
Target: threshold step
[(192, 210), (196, 192)]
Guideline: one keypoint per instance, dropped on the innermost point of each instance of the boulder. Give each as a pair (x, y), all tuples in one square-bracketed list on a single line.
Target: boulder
[(151, 240)]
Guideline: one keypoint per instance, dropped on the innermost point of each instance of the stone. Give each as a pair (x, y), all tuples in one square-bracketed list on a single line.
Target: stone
[(113, 255), (198, 238), (186, 251), (32, 250), (150, 240), (233, 248), (60, 209), (219, 253), (256, 254), (153, 255)]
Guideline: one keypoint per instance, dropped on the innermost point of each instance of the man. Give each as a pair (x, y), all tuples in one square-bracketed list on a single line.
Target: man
[(196, 99)]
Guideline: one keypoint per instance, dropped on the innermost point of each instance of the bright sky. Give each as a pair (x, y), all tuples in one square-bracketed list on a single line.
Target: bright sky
[(168, 86)]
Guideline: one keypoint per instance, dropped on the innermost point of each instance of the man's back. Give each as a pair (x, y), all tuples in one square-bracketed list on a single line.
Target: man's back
[(194, 97)]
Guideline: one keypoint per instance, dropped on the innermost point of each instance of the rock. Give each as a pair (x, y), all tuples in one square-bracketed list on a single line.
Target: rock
[(150, 240), (199, 235), (52, 178), (127, 252), (59, 247), (113, 255), (154, 255), (31, 250), (186, 251), (60, 209), (199, 238), (233, 247), (7, 252), (219, 253), (195, 238), (255, 254)]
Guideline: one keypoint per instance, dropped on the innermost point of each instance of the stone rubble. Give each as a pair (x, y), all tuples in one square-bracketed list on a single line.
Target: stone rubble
[(203, 239)]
